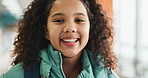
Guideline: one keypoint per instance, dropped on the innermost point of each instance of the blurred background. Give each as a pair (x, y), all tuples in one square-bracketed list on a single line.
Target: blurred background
[(129, 18)]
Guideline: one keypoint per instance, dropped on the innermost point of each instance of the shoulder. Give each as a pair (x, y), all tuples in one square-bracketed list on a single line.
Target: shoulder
[(114, 75), (100, 71), (104, 73), (15, 72)]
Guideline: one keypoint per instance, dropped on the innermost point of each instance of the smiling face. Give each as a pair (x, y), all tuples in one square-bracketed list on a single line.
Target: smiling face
[(68, 27)]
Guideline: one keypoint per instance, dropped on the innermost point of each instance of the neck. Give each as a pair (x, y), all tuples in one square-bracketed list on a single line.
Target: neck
[(71, 62), (72, 65)]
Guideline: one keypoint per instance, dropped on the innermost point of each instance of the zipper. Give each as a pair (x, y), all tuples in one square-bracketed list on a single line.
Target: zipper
[(60, 56)]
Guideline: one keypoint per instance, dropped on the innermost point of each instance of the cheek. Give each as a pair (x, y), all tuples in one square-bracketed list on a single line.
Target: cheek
[(85, 30), (54, 39), (54, 34), (85, 33), (53, 31)]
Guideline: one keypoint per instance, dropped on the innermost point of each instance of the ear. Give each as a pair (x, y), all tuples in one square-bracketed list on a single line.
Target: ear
[(46, 33)]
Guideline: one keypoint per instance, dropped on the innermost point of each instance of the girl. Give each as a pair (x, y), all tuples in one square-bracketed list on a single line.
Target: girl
[(63, 39)]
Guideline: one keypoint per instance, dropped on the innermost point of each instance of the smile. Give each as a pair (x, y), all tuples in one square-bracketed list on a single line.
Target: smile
[(70, 40)]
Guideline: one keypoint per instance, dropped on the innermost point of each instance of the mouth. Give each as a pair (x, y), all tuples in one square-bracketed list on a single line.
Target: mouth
[(70, 42)]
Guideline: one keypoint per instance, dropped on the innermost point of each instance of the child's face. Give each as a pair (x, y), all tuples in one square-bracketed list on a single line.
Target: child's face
[(68, 27)]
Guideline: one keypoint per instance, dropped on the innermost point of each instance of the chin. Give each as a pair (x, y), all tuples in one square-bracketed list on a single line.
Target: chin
[(67, 56), (71, 55)]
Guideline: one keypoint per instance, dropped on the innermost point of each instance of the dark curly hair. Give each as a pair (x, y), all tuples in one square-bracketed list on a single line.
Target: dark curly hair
[(32, 28)]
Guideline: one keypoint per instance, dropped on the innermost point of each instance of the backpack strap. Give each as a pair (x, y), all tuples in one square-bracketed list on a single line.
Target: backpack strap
[(33, 72)]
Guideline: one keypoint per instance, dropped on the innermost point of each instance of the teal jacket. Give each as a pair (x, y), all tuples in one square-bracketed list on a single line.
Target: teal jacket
[(51, 67)]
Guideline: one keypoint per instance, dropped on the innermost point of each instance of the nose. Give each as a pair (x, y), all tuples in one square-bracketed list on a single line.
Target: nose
[(70, 28)]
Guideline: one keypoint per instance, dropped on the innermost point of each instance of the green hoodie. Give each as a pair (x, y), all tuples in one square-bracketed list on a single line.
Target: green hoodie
[(51, 66)]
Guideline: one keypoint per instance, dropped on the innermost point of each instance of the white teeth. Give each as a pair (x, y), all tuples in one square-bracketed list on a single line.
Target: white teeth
[(69, 40)]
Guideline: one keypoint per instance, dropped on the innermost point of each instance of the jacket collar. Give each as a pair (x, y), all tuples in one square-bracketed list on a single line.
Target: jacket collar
[(52, 59)]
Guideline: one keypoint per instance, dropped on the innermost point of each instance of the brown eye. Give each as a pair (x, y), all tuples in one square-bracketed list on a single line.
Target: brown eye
[(59, 20), (79, 20)]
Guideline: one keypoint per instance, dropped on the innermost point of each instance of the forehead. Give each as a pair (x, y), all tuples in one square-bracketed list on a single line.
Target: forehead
[(68, 6)]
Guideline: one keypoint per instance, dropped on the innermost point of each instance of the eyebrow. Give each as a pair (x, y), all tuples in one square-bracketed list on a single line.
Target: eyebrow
[(80, 14), (61, 14), (58, 14)]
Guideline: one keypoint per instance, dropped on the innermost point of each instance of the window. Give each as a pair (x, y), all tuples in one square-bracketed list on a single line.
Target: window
[(130, 22)]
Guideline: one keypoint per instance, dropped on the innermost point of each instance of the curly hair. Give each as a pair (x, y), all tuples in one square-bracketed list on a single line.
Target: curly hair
[(32, 28)]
